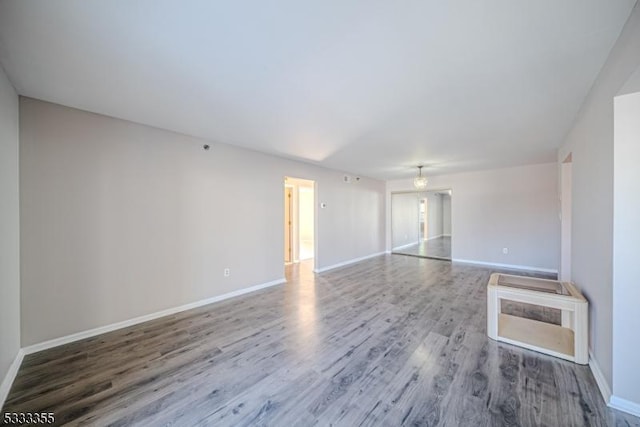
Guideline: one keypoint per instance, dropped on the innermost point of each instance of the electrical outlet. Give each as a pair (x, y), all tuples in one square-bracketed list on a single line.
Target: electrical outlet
[(227, 272), (505, 250)]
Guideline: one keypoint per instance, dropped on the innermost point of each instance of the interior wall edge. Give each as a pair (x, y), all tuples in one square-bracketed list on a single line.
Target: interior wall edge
[(10, 376), (601, 381), (10, 289)]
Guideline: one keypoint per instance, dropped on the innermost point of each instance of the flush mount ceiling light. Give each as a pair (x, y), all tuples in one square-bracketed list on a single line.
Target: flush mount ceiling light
[(420, 182)]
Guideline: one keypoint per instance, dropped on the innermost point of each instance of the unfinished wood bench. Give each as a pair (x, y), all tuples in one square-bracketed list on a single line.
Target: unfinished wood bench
[(569, 340)]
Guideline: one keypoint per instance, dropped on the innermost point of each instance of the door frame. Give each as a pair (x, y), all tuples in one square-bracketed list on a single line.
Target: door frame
[(295, 235), (289, 190), (418, 193)]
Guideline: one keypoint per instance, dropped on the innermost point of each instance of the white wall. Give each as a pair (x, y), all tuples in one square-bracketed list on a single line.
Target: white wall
[(566, 173), (9, 229), (434, 215), (120, 220), (446, 215), (306, 208), (626, 240), (516, 208), (404, 219), (590, 141)]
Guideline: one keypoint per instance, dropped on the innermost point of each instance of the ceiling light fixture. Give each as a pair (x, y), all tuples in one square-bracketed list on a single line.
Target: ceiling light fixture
[(420, 182)]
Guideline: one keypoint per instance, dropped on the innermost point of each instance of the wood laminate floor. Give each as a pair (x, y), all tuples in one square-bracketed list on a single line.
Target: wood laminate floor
[(390, 341), (440, 247)]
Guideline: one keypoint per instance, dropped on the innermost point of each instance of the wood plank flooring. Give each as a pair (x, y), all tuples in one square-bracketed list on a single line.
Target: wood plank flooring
[(390, 341)]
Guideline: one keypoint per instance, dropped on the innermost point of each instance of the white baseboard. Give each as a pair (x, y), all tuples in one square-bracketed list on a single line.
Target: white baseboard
[(605, 390), (446, 235), (435, 237), (612, 401), (5, 386), (351, 261), (119, 325), (507, 266), (625, 405), (406, 246)]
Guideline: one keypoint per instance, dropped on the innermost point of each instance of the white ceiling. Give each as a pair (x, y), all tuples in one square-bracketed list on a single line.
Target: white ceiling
[(367, 86)]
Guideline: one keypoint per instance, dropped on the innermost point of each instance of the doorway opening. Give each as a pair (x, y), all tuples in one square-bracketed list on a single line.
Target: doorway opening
[(421, 224), (299, 221)]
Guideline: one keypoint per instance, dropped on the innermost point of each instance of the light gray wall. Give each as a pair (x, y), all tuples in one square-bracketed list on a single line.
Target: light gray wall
[(446, 215), (565, 223), (590, 141), (515, 208), (404, 219), (626, 237), (434, 215), (121, 220), (632, 85), (9, 227)]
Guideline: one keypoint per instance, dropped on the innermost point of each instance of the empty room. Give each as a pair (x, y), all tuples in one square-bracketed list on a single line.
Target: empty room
[(319, 213)]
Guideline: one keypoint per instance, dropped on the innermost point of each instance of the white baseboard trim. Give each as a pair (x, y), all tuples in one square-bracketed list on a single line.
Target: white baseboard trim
[(5, 386), (611, 400), (351, 261), (405, 246), (446, 235), (435, 237), (119, 325), (625, 405), (605, 390), (507, 266)]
